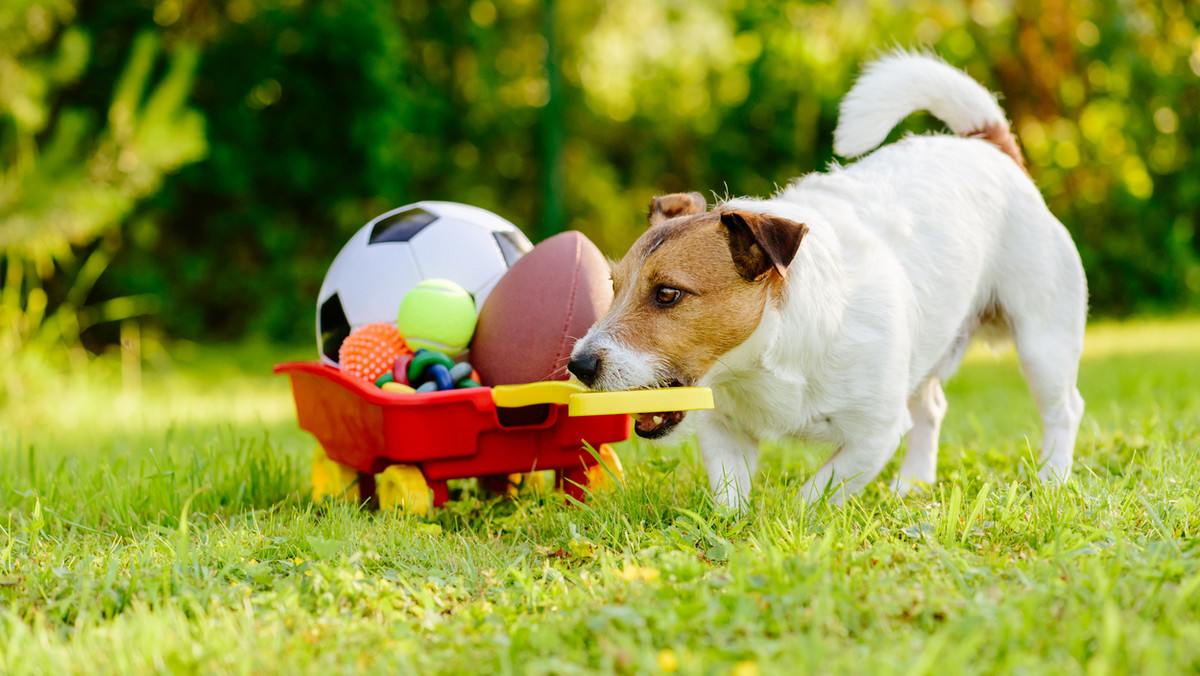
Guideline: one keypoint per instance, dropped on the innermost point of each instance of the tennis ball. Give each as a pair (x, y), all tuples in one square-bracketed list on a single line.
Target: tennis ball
[(437, 315)]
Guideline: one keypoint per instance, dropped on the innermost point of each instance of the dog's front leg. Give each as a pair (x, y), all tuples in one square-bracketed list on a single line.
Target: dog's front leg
[(730, 457), (854, 465)]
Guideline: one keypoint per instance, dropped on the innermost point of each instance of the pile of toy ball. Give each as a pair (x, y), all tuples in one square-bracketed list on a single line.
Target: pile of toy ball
[(437, 320), (417, 287)]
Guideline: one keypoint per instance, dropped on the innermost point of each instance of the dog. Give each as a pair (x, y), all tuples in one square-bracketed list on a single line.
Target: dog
[(834, 310)]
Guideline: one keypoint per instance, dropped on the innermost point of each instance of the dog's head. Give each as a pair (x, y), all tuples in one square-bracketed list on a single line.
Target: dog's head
[(692, 288)]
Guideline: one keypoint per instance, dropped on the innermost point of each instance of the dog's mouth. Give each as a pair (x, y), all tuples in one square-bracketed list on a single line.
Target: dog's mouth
[(658, 424), (655, 425)]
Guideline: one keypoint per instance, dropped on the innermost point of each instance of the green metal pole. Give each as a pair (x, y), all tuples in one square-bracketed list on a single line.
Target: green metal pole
[(552, 135)]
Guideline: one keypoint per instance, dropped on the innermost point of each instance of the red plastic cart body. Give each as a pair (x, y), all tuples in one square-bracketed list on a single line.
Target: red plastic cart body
[(454, 434)]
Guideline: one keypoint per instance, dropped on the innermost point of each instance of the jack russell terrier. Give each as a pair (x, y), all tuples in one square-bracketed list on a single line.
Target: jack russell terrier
[(833, 310)]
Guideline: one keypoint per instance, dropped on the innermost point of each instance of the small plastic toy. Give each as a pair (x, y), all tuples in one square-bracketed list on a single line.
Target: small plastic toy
[(431, 371), (400, 368), (370, 352), (464, 375), (422, 360), (460, 372)]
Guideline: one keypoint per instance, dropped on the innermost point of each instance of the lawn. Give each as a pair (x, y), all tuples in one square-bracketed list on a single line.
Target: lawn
[(164, 527)]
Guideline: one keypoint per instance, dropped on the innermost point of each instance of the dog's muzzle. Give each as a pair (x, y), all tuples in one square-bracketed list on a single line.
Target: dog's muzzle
[(584, 366)]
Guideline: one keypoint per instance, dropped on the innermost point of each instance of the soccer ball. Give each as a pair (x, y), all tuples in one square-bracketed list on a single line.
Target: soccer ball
[(392, 254)]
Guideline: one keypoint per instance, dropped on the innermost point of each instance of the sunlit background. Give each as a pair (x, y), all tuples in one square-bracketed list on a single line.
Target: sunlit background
[(186, 169)]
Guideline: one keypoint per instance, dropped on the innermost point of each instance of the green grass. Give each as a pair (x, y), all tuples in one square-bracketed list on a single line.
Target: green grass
[(168, 531)]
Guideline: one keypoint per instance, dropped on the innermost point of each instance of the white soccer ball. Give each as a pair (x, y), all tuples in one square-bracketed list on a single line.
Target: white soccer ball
[(394, 252)]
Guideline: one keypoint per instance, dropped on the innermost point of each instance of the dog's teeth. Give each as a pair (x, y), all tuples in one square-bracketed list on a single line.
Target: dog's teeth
[(658, 420)]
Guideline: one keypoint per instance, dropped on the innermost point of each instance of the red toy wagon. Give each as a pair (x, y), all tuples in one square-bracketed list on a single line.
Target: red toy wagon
[(398, 448)]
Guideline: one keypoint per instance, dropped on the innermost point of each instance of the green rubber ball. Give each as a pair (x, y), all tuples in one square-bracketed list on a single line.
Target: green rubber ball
[(437, 315)]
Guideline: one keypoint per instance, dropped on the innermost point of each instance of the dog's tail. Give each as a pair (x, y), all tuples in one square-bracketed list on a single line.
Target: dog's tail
[(901, 83)]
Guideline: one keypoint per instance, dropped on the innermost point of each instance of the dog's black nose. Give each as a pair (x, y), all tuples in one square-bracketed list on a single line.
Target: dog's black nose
[(584, 366)]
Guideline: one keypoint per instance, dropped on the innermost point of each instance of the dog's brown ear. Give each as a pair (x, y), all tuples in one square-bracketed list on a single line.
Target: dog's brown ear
[(761, 243), (676, 204)]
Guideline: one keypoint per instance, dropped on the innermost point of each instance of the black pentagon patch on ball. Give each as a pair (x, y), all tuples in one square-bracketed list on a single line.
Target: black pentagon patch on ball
[(333, 325), (512, 245), (401, 227)]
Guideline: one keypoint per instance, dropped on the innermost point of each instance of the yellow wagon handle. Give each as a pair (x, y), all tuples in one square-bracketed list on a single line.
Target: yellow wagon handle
[(581, 401), (530, 394)]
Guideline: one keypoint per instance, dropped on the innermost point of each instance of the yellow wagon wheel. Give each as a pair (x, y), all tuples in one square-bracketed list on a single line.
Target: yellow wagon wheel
[(599, 479), (332, 479), (541, 481), (403, 487)]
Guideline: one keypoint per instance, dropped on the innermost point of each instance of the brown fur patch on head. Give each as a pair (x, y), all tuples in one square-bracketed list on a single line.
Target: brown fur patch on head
[(666, 207), (1002, 137), (721, 303)]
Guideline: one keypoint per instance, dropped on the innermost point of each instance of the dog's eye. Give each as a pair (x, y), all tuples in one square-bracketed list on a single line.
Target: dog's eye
[(666, 296)]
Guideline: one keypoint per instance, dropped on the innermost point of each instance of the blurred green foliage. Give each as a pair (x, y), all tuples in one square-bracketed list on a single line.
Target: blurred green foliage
[(319, 114), (71, 175)]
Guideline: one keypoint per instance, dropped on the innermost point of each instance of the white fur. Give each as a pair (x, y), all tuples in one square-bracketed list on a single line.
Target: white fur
[(907, 250), (902, 83)]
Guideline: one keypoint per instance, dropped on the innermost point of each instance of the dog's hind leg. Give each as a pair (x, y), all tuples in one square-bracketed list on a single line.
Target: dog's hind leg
[(1048, 331), (1049, 357), (927, 406)]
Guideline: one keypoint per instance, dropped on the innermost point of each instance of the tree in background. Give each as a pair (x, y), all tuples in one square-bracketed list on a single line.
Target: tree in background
[(322, 115), (309, 122), (68, 180)]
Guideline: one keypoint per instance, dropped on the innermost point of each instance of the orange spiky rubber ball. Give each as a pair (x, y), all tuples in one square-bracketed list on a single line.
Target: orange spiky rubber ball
[(370, 351)]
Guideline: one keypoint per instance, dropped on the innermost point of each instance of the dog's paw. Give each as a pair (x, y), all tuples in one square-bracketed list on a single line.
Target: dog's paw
[(1054, 475), (731, 512), (903, 486), (812, 493), (729, 502)]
